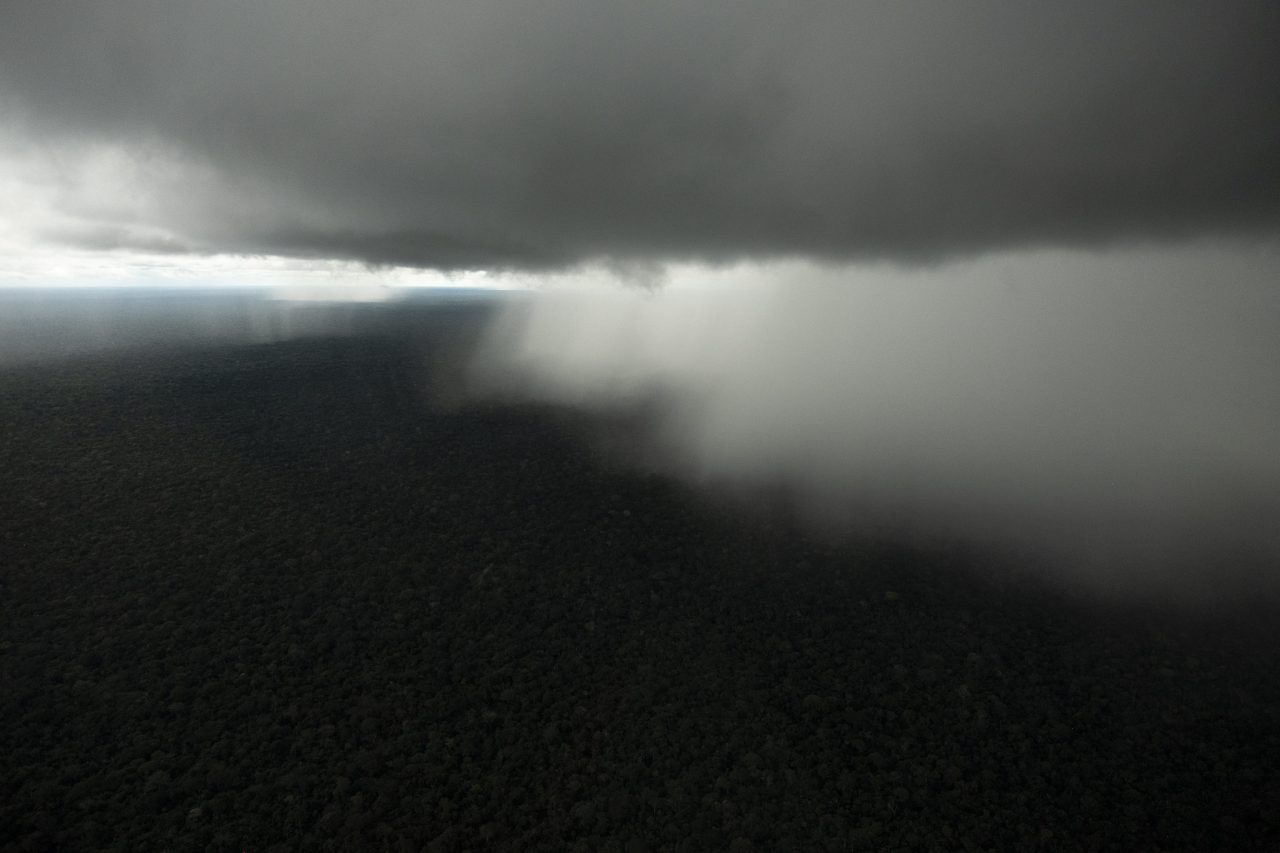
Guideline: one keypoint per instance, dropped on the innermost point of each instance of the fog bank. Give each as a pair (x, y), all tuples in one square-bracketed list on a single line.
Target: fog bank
[(1117, 415)]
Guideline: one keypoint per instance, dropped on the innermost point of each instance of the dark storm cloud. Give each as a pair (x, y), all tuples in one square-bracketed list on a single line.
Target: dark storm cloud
[(535, 134)]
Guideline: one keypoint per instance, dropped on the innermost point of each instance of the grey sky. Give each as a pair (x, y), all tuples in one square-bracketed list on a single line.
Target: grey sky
[(538, 134)]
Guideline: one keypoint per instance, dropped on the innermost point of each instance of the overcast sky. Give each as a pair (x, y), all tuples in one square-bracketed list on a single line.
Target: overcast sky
[(539, 134)]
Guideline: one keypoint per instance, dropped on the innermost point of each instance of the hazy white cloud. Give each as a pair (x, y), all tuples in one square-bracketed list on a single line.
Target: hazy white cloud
[(1116, 411)]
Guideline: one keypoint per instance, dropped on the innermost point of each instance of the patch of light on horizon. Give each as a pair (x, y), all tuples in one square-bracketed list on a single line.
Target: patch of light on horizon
[(49, 195), (55, 196)]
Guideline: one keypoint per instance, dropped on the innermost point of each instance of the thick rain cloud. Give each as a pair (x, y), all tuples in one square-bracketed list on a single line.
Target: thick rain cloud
[(537, 135), (1112, 416)]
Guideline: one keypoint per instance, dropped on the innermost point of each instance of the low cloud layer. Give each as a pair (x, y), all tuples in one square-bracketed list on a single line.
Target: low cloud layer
[(536, 135), (1114, 414)]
